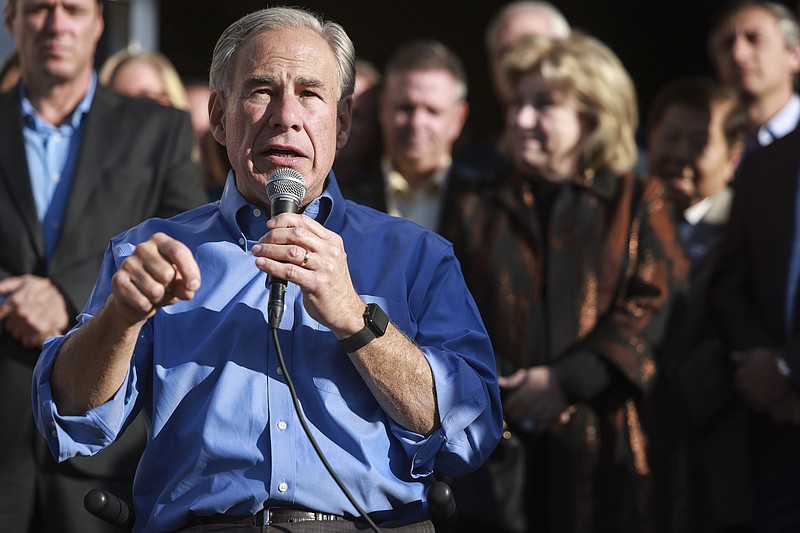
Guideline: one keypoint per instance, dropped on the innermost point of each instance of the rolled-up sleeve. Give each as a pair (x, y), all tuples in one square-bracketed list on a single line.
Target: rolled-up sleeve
[(87, 434), (454, 341)]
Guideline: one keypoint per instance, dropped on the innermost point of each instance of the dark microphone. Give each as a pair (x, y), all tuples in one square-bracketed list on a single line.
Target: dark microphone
[(285, 190), (442, 504), (110, 508)]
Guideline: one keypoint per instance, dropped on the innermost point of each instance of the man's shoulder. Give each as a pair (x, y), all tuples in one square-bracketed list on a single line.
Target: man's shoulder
[(10, 105), (368, 226), (138, 109), (182, 226), (781, 156)]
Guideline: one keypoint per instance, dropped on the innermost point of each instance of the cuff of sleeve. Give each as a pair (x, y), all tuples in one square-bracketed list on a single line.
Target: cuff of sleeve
[(68, 436), (87, 434), (422, 450)]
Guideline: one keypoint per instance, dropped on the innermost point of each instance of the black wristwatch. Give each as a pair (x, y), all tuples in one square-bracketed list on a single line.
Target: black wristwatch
[(375, 322)]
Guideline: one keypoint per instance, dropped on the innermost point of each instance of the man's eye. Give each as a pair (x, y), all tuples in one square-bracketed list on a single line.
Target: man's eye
[(753, 38)]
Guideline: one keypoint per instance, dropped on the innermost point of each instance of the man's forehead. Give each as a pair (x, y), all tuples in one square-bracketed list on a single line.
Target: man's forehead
[(66, 3), (301, 44), (294, 49)]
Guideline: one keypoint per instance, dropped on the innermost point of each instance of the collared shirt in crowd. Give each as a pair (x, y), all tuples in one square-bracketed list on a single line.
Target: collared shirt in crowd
[(422, 204), (784, 122), (52, 154), (223, 434)]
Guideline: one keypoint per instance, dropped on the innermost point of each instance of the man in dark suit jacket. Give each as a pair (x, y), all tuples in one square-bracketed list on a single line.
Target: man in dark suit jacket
[(127, 160), (754, 298), (698, 432)]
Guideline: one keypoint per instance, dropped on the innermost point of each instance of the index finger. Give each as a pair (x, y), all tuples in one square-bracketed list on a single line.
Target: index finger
[(10, 284), (187, 279), (296, 220)]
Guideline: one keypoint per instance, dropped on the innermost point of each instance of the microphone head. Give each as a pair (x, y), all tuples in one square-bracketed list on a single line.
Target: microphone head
[(286, 184)]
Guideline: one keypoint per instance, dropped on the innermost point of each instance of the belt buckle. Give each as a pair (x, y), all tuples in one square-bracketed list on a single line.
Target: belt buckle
[(263, 517)]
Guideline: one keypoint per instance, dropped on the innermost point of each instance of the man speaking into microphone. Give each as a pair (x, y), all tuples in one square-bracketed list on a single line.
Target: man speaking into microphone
[(392, 367)]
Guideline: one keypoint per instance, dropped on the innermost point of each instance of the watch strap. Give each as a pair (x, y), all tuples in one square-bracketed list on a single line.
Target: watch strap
[(355, 342), (375, 322)]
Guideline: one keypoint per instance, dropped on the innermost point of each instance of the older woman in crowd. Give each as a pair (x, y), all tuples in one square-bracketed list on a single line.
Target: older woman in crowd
[(570, 260)]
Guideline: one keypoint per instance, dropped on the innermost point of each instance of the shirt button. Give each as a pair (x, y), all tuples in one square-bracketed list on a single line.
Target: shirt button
[(256, 212), (417, 461), (54, 433), (281, 425), (283, 487), (241, 241), (280, 371), (56, 177)]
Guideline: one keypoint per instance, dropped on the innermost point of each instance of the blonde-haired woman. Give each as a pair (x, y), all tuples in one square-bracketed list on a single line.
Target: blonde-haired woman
[(145, 74), (570, 260), (152, 75)]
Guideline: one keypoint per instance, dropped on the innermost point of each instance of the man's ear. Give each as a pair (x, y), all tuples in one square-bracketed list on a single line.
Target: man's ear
[(8, 17), (344, 119), (794, 58), (216, 116), (101, 23)]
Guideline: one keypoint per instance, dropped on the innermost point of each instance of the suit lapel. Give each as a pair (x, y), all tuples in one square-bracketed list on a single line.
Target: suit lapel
[(96, 142), (14, 168)]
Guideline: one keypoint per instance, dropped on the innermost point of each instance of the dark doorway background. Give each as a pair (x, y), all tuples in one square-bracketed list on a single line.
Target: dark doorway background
[(655, 40)]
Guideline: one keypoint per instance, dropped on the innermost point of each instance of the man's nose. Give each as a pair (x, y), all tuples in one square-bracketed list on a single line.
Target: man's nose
[(285, 113)]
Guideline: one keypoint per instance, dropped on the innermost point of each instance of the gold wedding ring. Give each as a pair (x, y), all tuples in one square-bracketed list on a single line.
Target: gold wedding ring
[(305, 259)]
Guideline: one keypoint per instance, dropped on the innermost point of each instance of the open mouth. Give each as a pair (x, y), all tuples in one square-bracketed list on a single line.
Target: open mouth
[(282, 152)]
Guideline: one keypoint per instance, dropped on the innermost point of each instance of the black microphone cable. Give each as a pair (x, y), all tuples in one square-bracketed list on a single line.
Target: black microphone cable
[(311, 438), (285, 190)]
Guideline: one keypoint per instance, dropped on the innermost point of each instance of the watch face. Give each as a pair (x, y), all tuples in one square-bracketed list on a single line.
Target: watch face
[(377, 320)]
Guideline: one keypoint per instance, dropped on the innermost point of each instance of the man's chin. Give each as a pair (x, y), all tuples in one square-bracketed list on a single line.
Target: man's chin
[(57, 71)]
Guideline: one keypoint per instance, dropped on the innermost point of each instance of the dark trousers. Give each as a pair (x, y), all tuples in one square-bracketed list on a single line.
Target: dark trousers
[(778, 502), (18, 485)]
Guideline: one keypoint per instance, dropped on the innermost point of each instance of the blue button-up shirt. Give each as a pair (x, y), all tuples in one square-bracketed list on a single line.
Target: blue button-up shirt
[(52, 155), (223, 433)]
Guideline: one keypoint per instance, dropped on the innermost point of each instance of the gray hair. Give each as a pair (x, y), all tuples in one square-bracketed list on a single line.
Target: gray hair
[(788, 24), (277, 18), (556, 19)]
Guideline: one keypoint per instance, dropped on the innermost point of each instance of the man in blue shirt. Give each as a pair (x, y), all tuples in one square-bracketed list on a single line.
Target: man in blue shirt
[(177, 324)]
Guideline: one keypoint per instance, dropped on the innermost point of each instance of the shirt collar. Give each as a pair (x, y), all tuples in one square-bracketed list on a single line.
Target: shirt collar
[(397, 185), (695, 213), (231, 203), (32, 118), (783, 123)]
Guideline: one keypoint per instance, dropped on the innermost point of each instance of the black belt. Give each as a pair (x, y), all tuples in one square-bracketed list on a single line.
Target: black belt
[(267, 516)]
